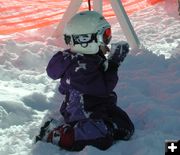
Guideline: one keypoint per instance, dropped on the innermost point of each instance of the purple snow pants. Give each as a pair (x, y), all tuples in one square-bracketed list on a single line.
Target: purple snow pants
[(96, 121)]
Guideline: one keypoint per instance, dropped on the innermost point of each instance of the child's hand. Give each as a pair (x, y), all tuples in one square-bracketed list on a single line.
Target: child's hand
[(118, 52)]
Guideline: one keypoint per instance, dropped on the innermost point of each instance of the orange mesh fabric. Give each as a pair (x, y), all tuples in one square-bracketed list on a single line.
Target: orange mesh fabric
[(21, 15)]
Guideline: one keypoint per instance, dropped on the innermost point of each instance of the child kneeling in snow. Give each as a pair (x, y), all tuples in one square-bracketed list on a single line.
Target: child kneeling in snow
[(91, 116)]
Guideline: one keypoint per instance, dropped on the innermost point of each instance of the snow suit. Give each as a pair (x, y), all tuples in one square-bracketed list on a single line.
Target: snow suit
[(89, 107)]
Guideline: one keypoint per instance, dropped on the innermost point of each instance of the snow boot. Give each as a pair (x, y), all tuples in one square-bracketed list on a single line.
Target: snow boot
[(48, 126), (62, 136)]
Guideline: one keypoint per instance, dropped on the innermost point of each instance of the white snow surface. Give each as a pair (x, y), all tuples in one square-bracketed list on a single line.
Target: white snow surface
[(148, 88)]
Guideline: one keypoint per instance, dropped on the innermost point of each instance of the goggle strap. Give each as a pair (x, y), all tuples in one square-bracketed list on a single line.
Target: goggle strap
[(67, 39)]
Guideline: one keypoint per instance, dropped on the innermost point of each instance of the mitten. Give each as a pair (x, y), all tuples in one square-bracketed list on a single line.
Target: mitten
[(118, 52)]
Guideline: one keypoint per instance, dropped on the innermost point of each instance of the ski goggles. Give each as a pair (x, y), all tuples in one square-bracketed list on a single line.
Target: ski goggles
[(103, 37), (80, 39)]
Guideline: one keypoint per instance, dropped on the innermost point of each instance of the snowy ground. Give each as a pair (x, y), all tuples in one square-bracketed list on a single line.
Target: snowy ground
[(148, 89)]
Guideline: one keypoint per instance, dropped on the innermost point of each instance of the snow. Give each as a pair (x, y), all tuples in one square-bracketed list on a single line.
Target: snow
[(148, 87)]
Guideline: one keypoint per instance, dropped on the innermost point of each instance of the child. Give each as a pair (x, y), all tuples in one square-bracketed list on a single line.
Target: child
[(87, 79)]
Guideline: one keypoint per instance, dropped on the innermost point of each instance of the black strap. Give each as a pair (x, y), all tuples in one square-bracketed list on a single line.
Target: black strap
[(89, 5)]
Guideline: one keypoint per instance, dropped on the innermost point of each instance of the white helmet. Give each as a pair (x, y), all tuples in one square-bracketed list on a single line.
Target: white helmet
[(86, 31)]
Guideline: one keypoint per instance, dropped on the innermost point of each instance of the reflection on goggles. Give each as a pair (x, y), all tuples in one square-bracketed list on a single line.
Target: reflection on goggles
[(84, 38), (80, 39), (103, 36)]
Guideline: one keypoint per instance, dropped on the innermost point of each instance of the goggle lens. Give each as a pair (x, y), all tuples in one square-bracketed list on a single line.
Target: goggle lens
[(107, 36)]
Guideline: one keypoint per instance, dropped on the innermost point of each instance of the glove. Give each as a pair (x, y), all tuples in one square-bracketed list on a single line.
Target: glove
[(118, 52)]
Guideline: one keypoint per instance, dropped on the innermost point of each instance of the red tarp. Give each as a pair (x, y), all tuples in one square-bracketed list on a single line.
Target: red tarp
[(21, 15)]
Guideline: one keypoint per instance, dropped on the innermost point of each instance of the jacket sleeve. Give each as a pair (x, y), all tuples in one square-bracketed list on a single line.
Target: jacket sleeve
[(58, 64)]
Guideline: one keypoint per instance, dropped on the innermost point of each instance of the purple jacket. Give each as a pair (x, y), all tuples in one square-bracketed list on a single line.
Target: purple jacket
[(81, 72)]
